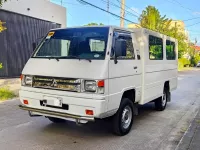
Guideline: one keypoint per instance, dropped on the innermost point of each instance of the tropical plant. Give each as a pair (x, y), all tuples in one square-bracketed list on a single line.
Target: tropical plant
[(2, 27), (2, 1), (1, 65), (152, 19), (94, 24)]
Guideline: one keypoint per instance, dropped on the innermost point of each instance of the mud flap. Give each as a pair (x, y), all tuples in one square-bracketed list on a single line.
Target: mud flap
[(169, 97), (135, 109)]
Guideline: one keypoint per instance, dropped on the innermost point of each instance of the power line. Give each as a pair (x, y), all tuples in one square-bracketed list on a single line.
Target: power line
[(66, 2), (115, 5), (129, 8), (181, 5), (83, 1), (193, 24), (192, 19)]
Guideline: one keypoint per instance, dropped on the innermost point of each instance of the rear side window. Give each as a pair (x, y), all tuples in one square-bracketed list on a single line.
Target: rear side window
[(170, 50), (155, 48)]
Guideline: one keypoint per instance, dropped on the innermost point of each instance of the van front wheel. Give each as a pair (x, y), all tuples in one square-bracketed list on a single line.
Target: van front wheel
[(123, 119)]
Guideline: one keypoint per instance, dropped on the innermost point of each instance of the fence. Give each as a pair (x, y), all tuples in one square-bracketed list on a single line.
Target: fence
[(16, 41)]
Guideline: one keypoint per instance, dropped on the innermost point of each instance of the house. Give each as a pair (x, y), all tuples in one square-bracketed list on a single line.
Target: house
[(27, 21)]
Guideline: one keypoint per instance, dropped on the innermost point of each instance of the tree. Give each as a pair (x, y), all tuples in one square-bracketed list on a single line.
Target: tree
[(1, 65), (94, 24), (152, 19), (2, 1), (2, 28)]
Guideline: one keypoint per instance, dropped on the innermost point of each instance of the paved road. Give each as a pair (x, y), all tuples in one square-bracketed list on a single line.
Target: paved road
[(152, 130)]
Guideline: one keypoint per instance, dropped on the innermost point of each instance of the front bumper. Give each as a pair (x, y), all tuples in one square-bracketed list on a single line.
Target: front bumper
[(77, 104), (53, 113)]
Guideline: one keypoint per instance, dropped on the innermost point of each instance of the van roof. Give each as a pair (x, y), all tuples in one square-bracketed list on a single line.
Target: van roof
[(144, 30)]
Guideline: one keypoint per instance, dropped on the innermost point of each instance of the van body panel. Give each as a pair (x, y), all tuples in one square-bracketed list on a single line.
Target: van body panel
[(136, 71)]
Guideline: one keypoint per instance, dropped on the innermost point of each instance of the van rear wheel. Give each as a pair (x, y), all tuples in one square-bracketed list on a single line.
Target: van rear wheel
[(161, 103), (56, 120), (123, 119)]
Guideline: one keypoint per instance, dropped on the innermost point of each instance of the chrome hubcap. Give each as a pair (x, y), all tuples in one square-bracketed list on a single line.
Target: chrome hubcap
[(126, 117), (164, 99)]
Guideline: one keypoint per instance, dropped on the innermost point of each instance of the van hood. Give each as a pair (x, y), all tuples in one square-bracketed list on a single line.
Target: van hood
[(67, 68)]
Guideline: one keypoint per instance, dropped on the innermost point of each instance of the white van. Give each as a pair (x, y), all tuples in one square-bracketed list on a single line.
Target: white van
[(87, 73)]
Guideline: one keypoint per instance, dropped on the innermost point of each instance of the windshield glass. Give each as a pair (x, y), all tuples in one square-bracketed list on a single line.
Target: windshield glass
[(80, 43)]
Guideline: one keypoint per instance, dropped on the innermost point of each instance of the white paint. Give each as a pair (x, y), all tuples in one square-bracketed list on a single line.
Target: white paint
[(41, 9), (146, 77)]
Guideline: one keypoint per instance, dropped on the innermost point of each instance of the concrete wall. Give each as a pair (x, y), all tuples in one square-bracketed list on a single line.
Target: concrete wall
[(42, 9)]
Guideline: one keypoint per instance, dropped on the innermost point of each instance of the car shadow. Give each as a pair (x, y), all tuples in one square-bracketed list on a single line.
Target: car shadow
[(99, 128)]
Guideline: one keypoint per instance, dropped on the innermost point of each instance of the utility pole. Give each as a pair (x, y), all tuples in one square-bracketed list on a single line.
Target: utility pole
[(108, 5), (61, 2), (122, 13)]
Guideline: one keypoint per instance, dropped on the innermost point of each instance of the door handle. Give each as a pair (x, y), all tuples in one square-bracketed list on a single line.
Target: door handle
[(135, 67)]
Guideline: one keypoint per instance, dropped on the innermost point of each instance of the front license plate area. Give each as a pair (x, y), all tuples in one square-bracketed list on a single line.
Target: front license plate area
[(51, 101)]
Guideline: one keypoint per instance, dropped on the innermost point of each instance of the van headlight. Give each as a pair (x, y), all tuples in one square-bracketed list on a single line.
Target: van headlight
[(27, 80), (94, 86)]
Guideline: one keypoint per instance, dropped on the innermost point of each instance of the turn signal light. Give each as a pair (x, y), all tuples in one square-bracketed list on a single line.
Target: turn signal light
[(100, 83), (25, 102), (89, 112), (21, 77)]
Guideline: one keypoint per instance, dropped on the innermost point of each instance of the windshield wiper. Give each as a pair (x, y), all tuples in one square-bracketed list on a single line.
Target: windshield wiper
[(51, 57), (76, 57)]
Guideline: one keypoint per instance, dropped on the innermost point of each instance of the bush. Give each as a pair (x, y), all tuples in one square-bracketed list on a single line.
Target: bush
[(1, 65), (5, 93), (183, 62)]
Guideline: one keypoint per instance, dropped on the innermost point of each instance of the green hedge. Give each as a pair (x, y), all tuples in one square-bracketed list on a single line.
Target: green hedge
[(5, 93), (183, 62)]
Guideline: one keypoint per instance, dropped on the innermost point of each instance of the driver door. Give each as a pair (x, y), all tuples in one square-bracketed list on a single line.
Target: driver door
[(126, 74)]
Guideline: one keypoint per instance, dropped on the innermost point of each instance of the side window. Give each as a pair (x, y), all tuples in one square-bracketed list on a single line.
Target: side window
[(155, 48), (170, 50), (130, 50)]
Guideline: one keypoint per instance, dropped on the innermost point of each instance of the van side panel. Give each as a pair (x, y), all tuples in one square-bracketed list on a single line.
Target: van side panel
[(157, 72)]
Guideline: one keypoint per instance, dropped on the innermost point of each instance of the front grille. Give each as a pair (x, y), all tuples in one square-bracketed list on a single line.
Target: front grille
[(66, 84)]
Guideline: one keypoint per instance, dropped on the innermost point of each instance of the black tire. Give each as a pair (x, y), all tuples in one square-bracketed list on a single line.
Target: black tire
[(161, 103), (118, 127), (56, 120)]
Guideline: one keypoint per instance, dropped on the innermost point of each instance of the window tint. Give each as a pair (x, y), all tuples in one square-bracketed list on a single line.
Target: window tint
[(130, 50), (170, 50), (155, 48), (74, 43)]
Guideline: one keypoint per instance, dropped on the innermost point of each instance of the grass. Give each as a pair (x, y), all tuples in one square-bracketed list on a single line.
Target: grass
[(5, 94)]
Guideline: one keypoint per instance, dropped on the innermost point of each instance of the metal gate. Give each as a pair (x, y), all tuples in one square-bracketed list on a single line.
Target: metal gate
[(16, 41)]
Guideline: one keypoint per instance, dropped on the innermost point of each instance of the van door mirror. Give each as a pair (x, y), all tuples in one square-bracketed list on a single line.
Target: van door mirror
[(34, 46), (120, 48)]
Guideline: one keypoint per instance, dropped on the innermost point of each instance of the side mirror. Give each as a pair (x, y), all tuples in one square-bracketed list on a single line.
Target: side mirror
[(34, 46), (120, 48)]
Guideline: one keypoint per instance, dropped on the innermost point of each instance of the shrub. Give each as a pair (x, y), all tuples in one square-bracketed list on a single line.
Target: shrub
[(5, 93), (1, 65), (183, 62)]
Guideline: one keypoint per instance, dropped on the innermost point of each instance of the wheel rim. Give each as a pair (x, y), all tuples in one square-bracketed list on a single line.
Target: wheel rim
[(164, 99), (126, 117)]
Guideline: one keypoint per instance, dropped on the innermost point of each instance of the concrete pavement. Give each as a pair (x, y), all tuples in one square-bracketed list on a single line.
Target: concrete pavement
[(191, 138), (152, 130)]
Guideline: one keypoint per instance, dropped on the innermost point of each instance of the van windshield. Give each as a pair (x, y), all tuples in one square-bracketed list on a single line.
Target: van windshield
[(74, 43)]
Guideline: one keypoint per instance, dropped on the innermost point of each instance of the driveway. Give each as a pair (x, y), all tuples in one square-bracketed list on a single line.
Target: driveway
[(151, 130)]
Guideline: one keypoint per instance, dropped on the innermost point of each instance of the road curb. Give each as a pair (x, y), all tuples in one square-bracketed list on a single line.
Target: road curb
[(187, 138)]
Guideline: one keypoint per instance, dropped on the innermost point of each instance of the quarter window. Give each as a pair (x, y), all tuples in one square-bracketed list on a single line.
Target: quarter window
[(155, 48), (170, 50)]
